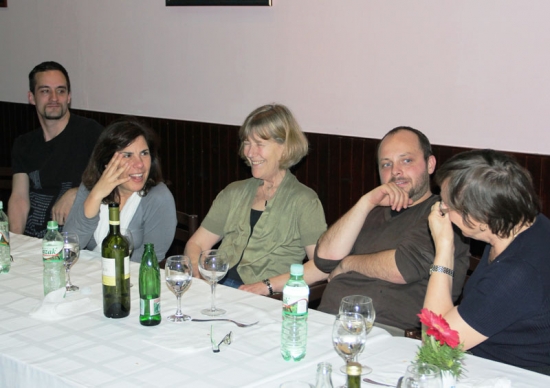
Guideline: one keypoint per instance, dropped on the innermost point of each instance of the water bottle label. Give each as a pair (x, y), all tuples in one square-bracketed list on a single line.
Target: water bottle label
[(295, 300), (109, 270), (51, 251), (4, 236), (153, 304)]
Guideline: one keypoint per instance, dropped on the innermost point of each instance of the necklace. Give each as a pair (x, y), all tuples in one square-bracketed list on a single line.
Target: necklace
[(266, 194)]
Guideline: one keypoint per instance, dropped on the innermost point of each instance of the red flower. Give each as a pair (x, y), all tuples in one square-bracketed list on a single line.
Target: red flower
[(439, 328)]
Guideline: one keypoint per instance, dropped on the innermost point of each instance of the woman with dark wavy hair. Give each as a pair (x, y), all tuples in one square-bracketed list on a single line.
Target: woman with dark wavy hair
[(504, 314), (125, 168), (269, 221)]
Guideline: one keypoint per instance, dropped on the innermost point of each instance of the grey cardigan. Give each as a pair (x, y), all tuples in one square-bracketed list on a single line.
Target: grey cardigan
[(154, 222)]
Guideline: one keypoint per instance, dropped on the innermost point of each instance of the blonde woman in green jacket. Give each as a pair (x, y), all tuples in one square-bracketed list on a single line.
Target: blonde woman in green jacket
[(269, 221)]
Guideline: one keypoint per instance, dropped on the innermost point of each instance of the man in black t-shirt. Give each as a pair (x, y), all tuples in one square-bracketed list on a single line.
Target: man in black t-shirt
[(48, 162)]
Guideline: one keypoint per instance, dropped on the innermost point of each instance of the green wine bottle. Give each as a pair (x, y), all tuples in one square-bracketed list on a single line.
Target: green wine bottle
[(149, 288), (116, 269), (353, 370)]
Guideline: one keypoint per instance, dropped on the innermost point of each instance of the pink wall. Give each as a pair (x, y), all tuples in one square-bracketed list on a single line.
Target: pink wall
[(468, 73)]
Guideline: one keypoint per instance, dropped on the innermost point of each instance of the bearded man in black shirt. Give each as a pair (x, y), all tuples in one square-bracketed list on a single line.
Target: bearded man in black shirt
[(48, 162)]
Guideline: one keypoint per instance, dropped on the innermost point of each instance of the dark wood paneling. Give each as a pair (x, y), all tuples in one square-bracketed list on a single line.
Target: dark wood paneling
[(200, 159)]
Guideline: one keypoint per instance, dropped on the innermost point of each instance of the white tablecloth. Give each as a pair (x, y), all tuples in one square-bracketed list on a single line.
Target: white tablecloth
[(87, 349)]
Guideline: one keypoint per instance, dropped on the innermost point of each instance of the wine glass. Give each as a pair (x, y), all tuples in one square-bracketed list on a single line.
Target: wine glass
[(71, 252), (363, 305), (127, 234), (213, 266), (421, 375), (179, 273), (349, 334)]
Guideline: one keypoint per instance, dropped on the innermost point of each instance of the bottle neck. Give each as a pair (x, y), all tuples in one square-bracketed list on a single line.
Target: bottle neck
[(114, 219), (114, 227)]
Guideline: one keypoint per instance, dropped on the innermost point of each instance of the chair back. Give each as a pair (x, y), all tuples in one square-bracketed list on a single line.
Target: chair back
[(187, 225)]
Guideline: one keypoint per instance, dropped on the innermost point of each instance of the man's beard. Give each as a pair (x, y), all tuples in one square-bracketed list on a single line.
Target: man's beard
[(422, 186), (55, 114)]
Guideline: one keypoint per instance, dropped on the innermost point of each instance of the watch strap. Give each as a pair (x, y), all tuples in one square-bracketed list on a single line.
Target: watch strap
[(439, 268), (269, 287)]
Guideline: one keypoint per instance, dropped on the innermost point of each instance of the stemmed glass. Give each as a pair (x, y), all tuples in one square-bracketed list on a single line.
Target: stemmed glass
[(213, 266), (71, 252), (422, 375), (179, 273), (363, 305), (127, 234), (349, 334)]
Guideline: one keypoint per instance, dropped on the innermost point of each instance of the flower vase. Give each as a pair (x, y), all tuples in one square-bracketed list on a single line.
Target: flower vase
[(448, 380)]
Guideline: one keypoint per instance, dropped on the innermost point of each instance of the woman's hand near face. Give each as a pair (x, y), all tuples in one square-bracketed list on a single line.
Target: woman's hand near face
[(441, 228), (115, 173)]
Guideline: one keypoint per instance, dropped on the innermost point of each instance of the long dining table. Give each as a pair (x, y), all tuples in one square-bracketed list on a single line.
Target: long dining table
[(64, 340)]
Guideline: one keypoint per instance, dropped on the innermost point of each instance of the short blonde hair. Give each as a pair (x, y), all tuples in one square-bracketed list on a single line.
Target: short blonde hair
[(275, 122)]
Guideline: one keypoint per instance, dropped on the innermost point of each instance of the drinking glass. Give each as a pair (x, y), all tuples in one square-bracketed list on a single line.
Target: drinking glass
[(71, 252), (213, 266), (420, 375), (179, 273), (127, 234), (349, 334), (363, 305)]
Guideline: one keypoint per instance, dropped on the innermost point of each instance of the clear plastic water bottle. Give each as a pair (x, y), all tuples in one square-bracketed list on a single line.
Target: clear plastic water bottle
[(52, 255), (5, 258), (294, 328)]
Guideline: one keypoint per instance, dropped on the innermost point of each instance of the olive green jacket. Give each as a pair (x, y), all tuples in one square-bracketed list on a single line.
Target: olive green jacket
[(293, 219)]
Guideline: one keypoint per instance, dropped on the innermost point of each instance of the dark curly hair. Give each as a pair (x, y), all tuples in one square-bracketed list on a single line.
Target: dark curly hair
[(117, 136)]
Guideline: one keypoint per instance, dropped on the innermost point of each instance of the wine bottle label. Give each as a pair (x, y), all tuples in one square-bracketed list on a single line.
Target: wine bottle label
[(295, 300), (149, 306), (109, 270), (51, 251)]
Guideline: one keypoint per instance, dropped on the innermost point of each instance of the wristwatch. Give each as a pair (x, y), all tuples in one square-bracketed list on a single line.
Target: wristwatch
[(269, 287), (439, 268)]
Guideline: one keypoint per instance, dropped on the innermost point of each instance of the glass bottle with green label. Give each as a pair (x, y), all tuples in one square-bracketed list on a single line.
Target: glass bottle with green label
[(5, 258), (149, 287), (116, 269), (54, 269)]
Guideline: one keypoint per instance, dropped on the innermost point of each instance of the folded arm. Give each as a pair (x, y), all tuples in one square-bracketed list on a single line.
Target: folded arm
[(311, 275), (380, 265), (336, 243)]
